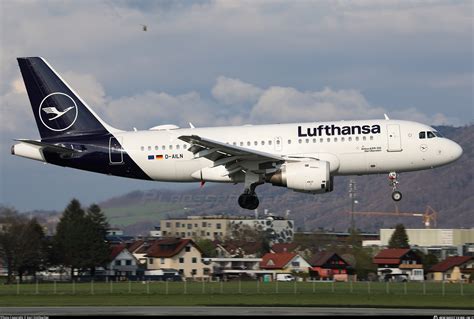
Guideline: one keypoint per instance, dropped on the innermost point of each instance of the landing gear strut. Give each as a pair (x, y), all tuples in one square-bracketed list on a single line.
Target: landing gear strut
[(249, 199), (393, 181)]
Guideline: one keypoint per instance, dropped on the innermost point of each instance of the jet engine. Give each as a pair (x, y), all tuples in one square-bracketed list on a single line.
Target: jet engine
[(306, 176)]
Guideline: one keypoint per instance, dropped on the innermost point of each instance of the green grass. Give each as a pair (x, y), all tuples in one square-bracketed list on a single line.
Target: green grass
[(244, 294)]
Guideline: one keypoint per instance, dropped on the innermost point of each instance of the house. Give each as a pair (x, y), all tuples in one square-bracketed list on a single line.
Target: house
[(122, 263), (284, 263), (176, 253), (330, 266), (399, 264), (453, 269)]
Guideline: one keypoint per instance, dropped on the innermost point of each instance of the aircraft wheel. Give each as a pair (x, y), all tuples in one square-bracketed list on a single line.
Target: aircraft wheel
[(396, 196), (248, 201)]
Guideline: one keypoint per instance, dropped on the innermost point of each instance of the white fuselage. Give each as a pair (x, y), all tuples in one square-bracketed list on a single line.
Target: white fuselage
[(395, 146)]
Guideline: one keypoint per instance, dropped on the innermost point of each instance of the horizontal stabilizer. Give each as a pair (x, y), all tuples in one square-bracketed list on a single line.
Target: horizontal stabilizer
[(49, 147)]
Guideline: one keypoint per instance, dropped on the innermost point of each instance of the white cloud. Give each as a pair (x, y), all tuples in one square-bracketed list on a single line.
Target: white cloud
[(280, 104), (233, 91)]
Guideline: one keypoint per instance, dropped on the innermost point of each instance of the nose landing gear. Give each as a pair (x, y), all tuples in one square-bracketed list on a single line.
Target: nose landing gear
[(393, 182)]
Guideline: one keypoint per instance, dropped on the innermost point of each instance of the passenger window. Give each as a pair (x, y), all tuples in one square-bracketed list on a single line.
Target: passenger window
[(371, 138), (289, 141), (263, 142), (364, 138), (314, 140), (321, 140), (335, 139), (357, 138), (171, 147), (422, 135), (241, 143), (177, 146), (307, 140), (149, 148), (278, 142), (329, 139), (342, 139), (142, 148), (430, 135), (163, 147), (248, 143), (270, 142), (256, 143), (349, 138)]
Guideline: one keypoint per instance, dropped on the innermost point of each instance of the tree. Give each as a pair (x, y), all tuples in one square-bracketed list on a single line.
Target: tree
[(22, 244), (31, 248), (69, 240), (207, 246), (399, 238), (80, 238), (99, 249), (428, 260)]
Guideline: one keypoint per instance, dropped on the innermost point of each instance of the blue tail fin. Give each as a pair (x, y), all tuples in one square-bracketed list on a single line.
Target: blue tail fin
[(58, 110)]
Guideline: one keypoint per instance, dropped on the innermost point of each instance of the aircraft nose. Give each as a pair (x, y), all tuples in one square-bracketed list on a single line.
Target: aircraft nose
[(455, 150)]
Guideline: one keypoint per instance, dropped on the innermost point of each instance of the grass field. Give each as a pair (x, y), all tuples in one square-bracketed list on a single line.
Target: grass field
[(244, 293)]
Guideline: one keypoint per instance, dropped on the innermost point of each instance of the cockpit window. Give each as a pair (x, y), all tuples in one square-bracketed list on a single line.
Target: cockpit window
[(422, 135), (437, 134), (431, 135)]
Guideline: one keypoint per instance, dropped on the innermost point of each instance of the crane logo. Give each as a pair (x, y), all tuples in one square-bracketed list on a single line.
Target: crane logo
[(58, 111)]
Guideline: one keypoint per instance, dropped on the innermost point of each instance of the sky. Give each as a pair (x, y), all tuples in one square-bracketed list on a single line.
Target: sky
[(228, 62)]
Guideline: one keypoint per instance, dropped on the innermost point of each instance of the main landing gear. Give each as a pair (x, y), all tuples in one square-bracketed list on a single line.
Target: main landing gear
[(249, 199), (393, 181)]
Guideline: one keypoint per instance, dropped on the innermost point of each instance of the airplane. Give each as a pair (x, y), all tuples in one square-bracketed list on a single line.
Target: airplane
[(303, 157)]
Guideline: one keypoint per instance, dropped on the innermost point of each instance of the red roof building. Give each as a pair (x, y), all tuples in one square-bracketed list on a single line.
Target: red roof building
[(182, 255), (453, 269), (122, 263), (329, 265), (399, 264)]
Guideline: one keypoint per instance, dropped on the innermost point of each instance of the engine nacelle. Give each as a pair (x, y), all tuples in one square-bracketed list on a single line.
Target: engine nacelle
[(306, 176)]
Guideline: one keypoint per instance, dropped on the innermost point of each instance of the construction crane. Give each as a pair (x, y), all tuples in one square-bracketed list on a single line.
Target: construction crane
[(429, 216)]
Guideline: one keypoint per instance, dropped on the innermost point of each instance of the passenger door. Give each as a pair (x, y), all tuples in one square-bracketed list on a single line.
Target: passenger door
[(394, 138)]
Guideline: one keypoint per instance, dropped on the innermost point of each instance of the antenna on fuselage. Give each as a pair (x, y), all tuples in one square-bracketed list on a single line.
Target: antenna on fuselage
[(386, 116)]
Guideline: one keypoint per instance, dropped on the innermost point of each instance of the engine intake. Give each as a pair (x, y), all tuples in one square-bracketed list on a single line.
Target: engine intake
[(306, 176)]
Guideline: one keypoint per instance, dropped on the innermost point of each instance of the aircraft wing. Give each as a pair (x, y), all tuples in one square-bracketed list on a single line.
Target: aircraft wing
[(235, 158)]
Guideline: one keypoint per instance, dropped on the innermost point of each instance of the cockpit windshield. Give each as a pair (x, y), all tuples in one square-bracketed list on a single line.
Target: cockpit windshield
[(429, 134)]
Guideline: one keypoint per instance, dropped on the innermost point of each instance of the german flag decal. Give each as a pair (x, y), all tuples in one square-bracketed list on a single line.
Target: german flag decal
[(153, 157)]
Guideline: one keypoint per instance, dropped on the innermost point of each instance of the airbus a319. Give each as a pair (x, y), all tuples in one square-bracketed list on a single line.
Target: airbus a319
[(303, 157)]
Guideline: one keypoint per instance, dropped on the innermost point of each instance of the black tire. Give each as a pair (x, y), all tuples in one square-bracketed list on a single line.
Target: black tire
[(396, 196), (247, 201)]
